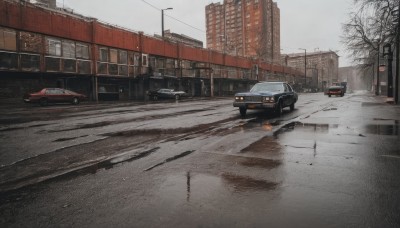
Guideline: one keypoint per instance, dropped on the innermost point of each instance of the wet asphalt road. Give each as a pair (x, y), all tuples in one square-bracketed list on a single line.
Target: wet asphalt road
[(333, 162)]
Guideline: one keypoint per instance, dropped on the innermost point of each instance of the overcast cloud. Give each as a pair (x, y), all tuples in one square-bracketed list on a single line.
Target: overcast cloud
[(310, 24)]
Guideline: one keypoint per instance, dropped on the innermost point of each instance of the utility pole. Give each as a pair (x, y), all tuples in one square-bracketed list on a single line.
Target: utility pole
[(377, 73), (387, 51)]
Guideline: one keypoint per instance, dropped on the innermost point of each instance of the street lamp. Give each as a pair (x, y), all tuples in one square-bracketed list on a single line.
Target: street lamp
[(162, 20), (305, 65)]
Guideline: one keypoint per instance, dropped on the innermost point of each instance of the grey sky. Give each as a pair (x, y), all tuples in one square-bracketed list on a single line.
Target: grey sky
[(309, 24)]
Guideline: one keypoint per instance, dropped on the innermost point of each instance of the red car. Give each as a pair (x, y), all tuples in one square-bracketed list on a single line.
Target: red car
[(54, 95)]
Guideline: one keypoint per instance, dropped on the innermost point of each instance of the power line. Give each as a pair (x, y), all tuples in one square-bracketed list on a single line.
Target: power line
[(176, 19)]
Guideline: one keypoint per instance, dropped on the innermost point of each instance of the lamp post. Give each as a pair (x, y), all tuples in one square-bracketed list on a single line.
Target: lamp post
[(387, 51), (377, 72), (305, 65), (162, 20)]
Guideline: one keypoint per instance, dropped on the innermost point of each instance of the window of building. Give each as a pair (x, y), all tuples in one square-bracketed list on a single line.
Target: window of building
[(69, 65), (123, 57), (8, 61), (30, 42), (113, 69), (82, 51), (8, 39), (30, 62), (68, 49), (53, 46), (103, 54), (144, 60), (113, 56), (53, 64), (84, 67)]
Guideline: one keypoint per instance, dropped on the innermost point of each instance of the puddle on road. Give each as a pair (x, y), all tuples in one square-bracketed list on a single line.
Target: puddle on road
[(306, 127), (197, 187), (260, 162), (245, 183), (266, 144)]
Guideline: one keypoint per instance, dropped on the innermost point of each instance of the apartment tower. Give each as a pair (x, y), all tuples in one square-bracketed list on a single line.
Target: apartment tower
[(249, 28)]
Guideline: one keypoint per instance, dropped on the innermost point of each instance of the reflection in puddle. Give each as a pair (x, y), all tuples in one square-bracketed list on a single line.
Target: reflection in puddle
[(195, 187), (243, 184), (383, 129), (306, 127)]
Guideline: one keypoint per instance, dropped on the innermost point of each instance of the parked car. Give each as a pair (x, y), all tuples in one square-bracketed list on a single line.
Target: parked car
[(54, 95), (166, 94), (267, 95), (337, 90)]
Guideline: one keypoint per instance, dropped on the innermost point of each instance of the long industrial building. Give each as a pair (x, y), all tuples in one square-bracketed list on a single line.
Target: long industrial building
[(52, 47)]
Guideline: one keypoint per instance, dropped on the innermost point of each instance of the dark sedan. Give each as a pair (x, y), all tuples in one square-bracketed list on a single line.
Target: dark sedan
[(166, 93), (54, 95), (267, 95)]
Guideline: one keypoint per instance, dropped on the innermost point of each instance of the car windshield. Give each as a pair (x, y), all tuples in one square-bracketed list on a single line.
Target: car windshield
[(271, 87)]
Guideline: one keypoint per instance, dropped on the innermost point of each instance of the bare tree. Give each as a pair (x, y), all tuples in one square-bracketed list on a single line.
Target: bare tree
[(369, 27)]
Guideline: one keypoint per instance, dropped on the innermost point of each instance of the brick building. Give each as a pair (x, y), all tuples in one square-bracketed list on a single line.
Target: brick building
[(322, 67), (248, 28), (46, 47)]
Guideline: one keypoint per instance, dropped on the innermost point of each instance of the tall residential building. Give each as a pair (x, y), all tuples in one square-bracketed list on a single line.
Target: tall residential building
[(249, 28)]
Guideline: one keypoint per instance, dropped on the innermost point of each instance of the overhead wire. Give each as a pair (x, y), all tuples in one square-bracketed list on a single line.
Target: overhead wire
[(176, 19)]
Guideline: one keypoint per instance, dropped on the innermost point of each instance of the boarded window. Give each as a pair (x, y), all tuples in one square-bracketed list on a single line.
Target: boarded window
[(30, 62), (53, 47), (113, 56), (103, 55), (84, 67), (69, 65), (68, 49), (30, 42), (8, 61), (8, 40), (52, 64), (123, 57), (82, 51)]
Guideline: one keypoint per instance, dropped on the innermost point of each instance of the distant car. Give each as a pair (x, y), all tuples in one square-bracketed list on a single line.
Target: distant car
[(166, 94), (267, 95), (54, 95), (337, 90)]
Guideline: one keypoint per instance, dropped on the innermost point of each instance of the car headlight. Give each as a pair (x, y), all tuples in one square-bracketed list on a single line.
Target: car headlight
[(269, 99), (239, 98)]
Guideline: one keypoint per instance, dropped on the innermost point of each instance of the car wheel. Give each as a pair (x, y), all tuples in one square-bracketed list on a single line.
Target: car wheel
[(329, 95), (177, 97), (155, 97), (279, 109), (292, 107), (243, 111), (342, 95), (43, 101)]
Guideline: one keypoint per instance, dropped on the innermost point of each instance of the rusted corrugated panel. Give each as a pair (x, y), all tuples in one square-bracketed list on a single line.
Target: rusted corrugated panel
[(170, 50)]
